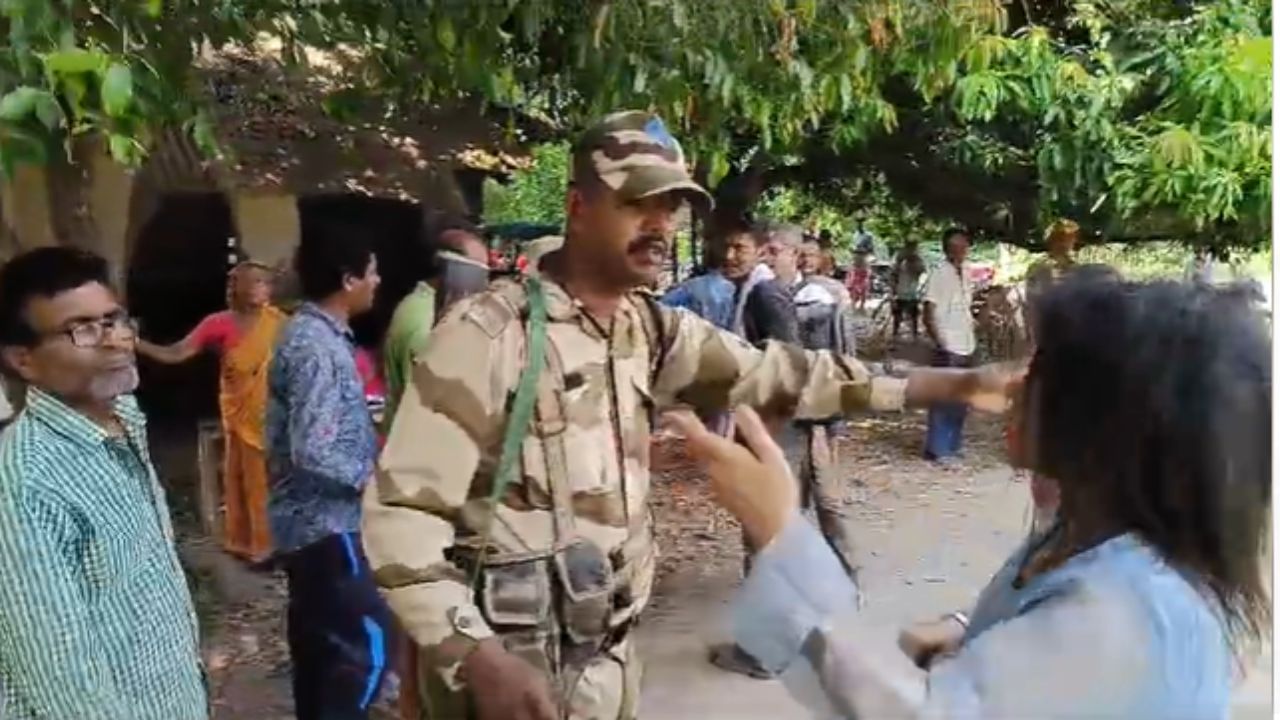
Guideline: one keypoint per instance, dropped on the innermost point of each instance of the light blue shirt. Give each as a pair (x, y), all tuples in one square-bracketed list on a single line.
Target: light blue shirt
[(1114, 632), (709, 296)]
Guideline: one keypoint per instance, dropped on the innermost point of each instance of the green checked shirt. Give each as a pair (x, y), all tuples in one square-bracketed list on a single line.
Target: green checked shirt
[(96, 621)]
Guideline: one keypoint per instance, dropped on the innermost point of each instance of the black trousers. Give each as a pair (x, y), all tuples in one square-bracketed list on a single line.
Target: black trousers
[(340, 631)]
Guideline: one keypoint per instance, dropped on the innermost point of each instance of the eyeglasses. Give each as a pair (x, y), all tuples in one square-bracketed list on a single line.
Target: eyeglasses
[(92, 333)]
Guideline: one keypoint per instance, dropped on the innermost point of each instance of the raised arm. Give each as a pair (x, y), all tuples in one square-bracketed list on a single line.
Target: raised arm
[(49, 656)]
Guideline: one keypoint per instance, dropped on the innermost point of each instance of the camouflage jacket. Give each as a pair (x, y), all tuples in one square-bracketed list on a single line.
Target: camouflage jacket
[(430, 501)]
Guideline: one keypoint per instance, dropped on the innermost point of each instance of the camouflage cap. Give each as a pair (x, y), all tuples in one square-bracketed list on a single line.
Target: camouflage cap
[(634, 154)]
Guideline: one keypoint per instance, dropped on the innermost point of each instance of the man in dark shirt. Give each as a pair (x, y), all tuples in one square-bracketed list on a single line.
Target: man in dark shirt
[(764, 311), (762, 308)]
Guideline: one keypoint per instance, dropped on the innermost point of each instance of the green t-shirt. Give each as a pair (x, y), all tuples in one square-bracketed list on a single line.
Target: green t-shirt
[(406, 337)]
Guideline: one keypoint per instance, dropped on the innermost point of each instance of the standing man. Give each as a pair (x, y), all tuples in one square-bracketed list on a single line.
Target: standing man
[(761, 307), (864, 242), (1060, 244), (454, 264), (815, 265), (948, 319), (709, 296), (521, 571), (908, 268), (96, 621), (244, 335), (321, 449), (823, 308), (1200, 269)]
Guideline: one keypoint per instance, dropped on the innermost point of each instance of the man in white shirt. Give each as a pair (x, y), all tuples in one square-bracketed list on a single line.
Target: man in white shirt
[(948, 319)]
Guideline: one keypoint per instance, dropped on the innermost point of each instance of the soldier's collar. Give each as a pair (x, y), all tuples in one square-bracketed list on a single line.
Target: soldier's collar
[(561, 306)]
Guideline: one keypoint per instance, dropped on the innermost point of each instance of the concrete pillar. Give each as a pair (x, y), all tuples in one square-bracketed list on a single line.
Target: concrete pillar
[(269, 230), (267, 225)]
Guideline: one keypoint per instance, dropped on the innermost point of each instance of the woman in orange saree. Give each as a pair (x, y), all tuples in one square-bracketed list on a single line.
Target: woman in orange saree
[(245, 336)]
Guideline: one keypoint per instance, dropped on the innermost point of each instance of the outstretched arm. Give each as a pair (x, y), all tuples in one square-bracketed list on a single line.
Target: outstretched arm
[(714, 370), (204, 335)]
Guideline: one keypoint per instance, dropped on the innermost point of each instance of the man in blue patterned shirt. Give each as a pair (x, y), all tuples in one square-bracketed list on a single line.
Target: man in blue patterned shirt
[(96, 621), (321, 448)]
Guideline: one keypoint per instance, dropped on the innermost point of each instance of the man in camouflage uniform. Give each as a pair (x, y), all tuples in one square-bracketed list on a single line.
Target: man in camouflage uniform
[(523, 608)]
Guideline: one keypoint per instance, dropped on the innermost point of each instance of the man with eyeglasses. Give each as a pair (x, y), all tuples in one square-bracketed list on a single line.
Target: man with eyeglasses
[(95, 617)]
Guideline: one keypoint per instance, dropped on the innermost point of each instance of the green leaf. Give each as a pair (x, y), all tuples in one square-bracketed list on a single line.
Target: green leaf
[(75, 60), (124, 149), (154, 8), (117, 90), (445, 34), (18, 103), (49, 112)]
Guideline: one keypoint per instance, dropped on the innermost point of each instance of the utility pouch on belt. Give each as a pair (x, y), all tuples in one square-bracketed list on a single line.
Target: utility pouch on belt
[(586, 585), (517, 595), (516, 600)]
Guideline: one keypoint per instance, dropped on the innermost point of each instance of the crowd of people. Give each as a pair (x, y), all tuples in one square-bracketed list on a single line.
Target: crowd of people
[(491, 541)]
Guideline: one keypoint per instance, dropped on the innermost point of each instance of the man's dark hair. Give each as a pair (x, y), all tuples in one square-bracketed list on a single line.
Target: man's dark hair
[(429, 242), (329, 250), (732, 226), (42, 273), (1151, 406), (950, 233)]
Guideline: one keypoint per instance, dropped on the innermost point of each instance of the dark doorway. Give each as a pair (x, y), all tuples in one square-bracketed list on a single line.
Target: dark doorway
[(177, 275), (396, 226)]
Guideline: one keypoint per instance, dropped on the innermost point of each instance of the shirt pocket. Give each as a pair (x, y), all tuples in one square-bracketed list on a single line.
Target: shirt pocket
[(120, 545)]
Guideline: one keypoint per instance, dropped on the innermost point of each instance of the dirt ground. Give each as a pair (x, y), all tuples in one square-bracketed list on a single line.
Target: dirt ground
[(928, 539)]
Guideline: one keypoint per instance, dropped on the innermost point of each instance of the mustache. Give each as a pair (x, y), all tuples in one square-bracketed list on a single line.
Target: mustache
[(648, 242)]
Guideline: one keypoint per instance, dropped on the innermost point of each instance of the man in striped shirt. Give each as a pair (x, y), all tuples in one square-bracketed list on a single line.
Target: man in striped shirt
[(96, 622)]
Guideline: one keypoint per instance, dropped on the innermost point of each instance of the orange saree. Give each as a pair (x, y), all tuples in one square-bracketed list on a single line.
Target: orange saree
[(243, 402)]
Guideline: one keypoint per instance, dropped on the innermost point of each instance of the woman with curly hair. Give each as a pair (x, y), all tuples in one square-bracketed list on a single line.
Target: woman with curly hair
[(1151, 406)]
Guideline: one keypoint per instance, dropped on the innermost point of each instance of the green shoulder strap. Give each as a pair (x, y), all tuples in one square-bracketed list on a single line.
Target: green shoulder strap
[(521, 408), (527, 388)]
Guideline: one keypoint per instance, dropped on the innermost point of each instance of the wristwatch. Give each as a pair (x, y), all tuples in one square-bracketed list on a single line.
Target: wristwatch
[(958, 617)]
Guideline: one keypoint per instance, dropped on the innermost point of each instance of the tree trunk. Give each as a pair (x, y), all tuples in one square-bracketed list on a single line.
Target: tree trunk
[(69, 183)]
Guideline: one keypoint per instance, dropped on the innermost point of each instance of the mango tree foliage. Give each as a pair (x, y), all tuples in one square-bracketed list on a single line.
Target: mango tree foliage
[(1138, 117), (1135, 118), (732, 75), (114, 68)]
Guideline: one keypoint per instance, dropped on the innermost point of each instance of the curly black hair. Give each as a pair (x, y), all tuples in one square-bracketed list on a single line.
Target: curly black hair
[(1150, 403)]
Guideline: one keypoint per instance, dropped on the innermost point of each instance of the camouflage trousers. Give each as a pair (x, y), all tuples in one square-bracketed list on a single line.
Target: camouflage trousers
[(606, 687), (811, 453)]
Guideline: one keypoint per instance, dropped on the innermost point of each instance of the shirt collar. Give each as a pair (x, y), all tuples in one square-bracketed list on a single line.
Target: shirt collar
[(73, 424), (339, 327)]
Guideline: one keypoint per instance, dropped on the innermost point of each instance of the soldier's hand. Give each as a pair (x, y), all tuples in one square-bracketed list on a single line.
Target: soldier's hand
[(754, 483), (923, 642), (505, 687), (994, 384)]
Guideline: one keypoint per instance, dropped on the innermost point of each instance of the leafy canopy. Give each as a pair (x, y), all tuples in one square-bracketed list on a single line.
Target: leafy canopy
[(1137, 117)]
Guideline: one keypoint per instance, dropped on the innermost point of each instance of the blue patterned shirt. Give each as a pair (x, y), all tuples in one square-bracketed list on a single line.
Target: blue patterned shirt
[(709, 296), (96, 621), (321, 443)]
